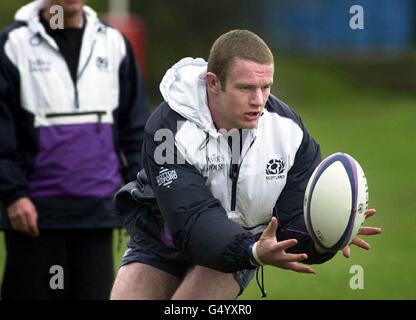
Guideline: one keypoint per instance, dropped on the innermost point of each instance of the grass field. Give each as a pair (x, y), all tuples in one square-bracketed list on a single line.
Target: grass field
[(377, 127)]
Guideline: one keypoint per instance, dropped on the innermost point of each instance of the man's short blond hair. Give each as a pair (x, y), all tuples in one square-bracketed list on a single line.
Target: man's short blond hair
[(242, 44)]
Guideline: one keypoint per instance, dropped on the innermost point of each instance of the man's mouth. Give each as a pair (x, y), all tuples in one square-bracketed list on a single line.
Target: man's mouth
[(250, 116)]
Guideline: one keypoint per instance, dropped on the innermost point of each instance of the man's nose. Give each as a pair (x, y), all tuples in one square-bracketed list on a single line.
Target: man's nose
[(257, 98)]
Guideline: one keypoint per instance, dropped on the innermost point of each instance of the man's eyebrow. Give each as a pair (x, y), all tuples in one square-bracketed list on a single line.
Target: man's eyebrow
[(250, 85)]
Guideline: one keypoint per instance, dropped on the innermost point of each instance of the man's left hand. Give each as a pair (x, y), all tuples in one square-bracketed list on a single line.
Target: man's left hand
[(365, 231)]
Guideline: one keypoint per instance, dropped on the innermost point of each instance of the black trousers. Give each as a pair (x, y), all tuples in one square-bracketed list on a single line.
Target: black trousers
[(58, 265)]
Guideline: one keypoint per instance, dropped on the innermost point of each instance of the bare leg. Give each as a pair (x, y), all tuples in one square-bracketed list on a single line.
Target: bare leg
[(203, 283), (138, 281)]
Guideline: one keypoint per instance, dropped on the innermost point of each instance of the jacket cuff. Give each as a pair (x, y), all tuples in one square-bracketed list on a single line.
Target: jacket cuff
[(9, 197), (254, 259)]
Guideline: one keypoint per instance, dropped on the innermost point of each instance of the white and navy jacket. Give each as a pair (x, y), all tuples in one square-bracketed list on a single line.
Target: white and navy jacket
[(214, 206), (68, 144)]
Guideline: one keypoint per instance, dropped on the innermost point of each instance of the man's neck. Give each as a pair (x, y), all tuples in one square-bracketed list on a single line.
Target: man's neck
[(70, 20)]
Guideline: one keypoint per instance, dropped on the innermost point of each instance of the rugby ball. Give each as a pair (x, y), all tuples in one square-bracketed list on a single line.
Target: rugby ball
[(336, 201)]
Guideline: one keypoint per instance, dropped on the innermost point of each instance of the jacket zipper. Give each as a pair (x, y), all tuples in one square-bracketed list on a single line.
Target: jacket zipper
[(80, 73), (71, 114), (77, 104), (76, 96), (235, 171)]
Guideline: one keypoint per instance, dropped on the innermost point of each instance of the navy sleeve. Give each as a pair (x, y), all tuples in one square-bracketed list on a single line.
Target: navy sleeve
[(131, 115), (13, 184), (198, 223), (289, 207)]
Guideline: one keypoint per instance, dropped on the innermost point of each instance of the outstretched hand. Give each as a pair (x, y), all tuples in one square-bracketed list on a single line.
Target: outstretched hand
[(365, 231), (273, 252)]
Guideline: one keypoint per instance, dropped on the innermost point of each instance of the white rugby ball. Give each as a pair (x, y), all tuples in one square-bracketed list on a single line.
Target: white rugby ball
[(336, 201)]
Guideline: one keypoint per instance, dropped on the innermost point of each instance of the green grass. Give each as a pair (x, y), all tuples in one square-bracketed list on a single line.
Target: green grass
[(378, 128)]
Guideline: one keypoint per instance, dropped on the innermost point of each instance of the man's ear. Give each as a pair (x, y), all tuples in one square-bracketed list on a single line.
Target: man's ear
[(213, 83)]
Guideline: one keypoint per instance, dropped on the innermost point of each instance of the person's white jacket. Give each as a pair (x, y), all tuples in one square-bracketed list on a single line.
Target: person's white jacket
[(61, 138), (214, 202)]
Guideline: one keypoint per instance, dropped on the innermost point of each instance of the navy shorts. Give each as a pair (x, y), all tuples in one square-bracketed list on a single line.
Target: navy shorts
[(173, 264)]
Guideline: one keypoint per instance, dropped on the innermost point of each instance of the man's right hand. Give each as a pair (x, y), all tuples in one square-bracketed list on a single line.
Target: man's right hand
[(272, 252), (24, 217)]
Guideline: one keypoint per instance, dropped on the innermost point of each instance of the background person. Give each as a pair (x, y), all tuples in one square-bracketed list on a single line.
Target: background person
[(73, 106)]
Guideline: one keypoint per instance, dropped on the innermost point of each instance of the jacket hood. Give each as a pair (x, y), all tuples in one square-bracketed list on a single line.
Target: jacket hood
[(30, 10), (184, 88)]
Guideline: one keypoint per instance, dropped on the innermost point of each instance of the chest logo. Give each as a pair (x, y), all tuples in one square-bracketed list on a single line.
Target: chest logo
[(275, 169), (101, 63), (39, 65), (214, 162)]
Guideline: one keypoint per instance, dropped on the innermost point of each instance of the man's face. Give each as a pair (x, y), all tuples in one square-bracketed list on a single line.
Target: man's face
[(247, 89), (71, 7)]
